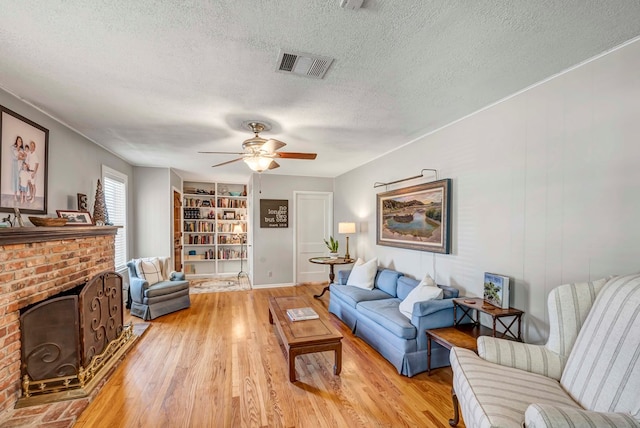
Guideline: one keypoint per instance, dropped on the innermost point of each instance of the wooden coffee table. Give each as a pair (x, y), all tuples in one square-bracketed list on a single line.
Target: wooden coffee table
[(303, 337)]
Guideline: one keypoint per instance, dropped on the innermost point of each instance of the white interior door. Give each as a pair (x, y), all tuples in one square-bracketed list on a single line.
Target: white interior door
[(313, 217)]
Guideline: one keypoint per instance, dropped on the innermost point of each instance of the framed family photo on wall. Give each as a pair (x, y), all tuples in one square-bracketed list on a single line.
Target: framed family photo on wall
[(23, 164), (416, 217)]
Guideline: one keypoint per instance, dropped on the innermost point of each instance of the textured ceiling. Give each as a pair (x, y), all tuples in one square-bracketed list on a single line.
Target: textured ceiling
[(157, 81)]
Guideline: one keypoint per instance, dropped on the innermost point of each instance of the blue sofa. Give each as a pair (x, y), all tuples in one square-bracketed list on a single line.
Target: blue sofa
[(373, 315)]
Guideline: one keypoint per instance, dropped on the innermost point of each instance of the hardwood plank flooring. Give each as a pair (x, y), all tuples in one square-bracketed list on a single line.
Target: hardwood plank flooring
[(219, 364)]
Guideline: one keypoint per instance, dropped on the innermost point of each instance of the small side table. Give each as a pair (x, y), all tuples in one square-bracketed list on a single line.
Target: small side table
[(331, 262), (463, 336), (466, 335), (478, 305)]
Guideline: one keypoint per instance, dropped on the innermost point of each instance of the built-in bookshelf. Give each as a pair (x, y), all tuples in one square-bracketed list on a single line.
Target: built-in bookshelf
[(211, 213)]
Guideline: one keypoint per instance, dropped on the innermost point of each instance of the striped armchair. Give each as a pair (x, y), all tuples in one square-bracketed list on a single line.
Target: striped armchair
[(587, 374)]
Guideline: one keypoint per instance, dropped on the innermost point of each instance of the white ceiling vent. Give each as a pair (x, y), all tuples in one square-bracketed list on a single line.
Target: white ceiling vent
[(303, 64), (351, 4)]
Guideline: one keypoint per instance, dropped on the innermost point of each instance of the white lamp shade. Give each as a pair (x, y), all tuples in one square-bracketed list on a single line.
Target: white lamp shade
[(258, 163), (237, 228), (346, 228)]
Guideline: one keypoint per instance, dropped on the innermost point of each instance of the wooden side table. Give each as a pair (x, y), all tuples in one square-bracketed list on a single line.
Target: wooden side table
[(331, 262), (463, 336), (466, 335), (476, 305)]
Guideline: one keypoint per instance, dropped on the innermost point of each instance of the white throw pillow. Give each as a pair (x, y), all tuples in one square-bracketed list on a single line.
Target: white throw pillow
[(426, 290), (427, 280), (363, 274), (149, 269)]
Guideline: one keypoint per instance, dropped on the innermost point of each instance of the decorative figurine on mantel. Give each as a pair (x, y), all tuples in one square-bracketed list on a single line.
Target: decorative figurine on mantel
[(18, 218), (100, 215)]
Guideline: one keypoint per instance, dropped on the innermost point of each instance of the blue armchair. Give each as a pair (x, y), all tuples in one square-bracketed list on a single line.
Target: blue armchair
[(168, 295)]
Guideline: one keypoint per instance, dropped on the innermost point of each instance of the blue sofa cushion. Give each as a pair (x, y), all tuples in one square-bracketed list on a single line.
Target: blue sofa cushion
[(353, 295), (405, 285), (387, 281), (387, 315), (449, 292)]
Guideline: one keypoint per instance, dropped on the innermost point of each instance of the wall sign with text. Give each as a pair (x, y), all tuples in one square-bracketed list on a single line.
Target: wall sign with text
[(274, 213)]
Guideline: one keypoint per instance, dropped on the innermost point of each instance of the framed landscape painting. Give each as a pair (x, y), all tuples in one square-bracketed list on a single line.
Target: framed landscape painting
[(416, 217), (23, 164)]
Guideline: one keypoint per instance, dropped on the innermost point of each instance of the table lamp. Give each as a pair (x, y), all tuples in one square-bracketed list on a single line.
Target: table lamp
[(345, 229)]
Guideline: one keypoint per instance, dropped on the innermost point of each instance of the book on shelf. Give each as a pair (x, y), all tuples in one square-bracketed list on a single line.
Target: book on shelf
[(301, 314), (496, 290)]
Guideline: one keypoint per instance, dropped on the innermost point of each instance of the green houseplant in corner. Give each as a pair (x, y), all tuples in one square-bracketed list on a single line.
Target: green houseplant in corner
[(332, 245)]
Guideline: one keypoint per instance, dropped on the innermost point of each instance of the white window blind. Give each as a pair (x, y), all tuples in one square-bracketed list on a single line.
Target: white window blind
[(115, 194)]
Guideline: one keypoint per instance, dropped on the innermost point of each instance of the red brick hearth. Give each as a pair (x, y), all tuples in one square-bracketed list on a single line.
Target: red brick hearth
[(35, 264)]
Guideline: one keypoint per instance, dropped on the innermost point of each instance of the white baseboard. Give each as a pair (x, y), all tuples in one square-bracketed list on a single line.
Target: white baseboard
[(272, 285)]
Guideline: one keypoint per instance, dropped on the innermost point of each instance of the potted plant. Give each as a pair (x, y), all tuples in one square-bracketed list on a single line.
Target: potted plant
[(332, 245)]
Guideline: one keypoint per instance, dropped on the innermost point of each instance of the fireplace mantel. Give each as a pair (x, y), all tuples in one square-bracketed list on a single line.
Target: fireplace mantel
[(26, 235)]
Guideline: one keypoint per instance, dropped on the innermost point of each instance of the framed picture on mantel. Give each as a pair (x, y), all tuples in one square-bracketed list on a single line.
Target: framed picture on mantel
[(416, 217), (76, 218), (23, 164)]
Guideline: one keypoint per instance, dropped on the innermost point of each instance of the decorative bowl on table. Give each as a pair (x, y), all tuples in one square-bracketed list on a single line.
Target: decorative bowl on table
[(47, 221), (235, 193)]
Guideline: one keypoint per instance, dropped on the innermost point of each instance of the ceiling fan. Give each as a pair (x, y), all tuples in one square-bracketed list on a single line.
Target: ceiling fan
[(259, 153)]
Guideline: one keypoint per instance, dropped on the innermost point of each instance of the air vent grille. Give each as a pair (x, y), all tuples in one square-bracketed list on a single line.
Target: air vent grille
[(303, 64), (318, 68), (288, 60)]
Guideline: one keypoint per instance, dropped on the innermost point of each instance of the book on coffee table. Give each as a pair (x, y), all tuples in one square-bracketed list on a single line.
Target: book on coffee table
[(301, 314)]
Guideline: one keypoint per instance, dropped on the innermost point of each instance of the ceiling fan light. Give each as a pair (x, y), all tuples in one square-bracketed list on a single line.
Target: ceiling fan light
[(258, 163)]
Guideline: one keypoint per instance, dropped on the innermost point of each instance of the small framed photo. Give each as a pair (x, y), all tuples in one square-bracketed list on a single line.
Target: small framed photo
[(76, 218), (229, 215)]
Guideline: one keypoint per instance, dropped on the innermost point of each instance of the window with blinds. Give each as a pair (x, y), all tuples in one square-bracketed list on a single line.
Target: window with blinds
[(115, 195)]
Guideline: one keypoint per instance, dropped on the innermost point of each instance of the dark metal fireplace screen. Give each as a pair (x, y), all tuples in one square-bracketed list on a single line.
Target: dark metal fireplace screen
[(68, 340)]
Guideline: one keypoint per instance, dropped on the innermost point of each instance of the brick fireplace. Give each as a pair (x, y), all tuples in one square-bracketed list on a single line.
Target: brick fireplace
[(35, 264)]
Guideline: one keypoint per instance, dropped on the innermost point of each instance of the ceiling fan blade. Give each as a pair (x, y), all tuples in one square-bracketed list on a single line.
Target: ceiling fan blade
[(274, 165), (293, 155), (224, 153), (227, 162), (272, 145)]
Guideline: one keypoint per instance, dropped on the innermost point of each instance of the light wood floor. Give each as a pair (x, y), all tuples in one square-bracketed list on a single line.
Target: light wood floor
[(219, 364)]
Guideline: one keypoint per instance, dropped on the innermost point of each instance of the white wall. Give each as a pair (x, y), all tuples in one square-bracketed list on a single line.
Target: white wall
[(273, 248), (74, 162), (546, 188), (153, 212)]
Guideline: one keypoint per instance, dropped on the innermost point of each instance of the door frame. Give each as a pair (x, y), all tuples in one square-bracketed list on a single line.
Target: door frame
[(174, 223), (296, 194)]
